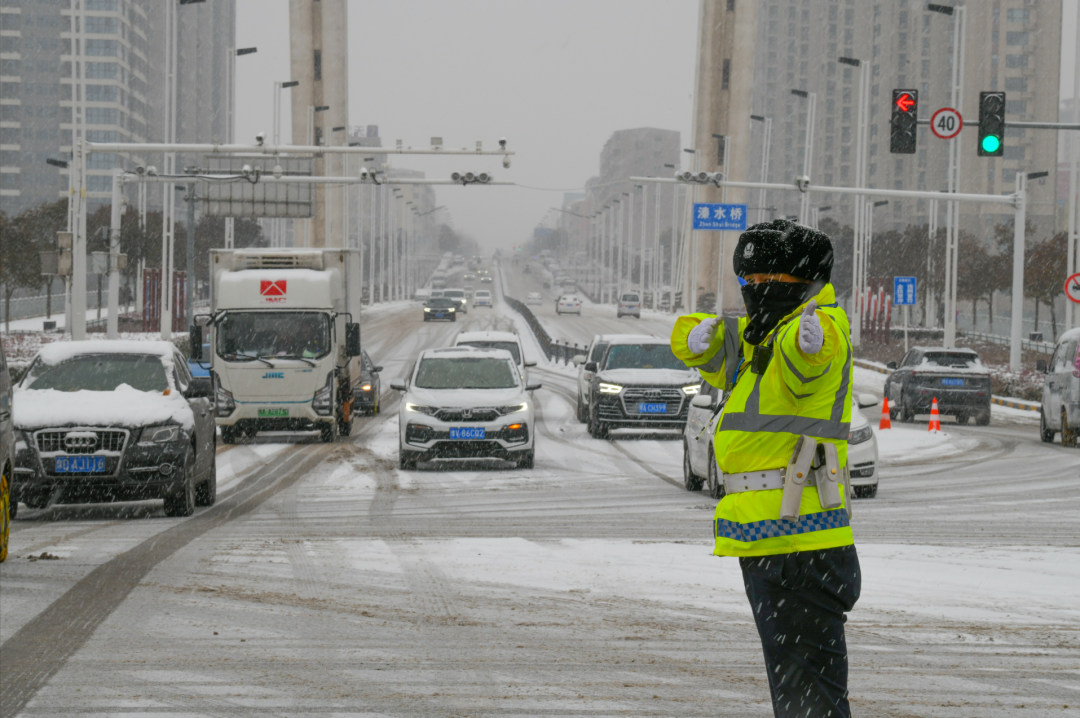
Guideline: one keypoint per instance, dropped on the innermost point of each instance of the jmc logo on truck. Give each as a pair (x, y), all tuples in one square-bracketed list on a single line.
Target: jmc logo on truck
[(273, 290)]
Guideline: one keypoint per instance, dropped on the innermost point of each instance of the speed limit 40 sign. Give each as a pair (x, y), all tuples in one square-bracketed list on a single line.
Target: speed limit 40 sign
[(946, 123)]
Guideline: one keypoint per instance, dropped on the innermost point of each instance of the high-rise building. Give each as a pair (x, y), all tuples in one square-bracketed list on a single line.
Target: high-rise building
[(119, 92), (1011, 45)]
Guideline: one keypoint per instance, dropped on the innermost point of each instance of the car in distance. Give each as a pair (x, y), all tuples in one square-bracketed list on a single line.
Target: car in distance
[(113, 421), (459, 296), (483, 298), (629, 305), (485, 277), (462, 402), (534, 298), (7, 457), (955, 377), (1061, 392), (639, 384), (568, 304), (443, 308), (497, 340), (366, 392)]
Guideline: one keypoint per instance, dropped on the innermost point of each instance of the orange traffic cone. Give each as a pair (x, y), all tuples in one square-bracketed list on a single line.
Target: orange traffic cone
[(886, 420), (935, 423)]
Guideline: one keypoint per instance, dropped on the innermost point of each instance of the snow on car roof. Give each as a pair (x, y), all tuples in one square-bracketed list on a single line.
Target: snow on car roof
[(62, 351), (635, 339), (486, 336), (957, 350), (468, 351), (1070, 335)]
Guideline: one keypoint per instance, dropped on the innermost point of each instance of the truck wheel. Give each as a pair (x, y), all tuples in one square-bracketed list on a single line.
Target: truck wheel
[(691, 481), (206, 492), (716, 487), (229, 435), (961, 418), (182, 502), (326, 432), (1068, 436), (1045, 432), (983, 418)]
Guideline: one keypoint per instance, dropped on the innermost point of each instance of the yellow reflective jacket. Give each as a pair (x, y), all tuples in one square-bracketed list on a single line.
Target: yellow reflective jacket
[(763, 416)]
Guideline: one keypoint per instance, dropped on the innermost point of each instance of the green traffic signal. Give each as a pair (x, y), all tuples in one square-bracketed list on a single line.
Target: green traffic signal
[(991, 143)]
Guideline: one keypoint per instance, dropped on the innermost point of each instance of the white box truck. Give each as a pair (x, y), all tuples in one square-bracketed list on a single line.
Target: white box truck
[(284, 340)]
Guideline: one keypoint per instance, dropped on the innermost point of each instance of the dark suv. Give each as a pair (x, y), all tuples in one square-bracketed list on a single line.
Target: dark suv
[(102, 421), (955, 377), (638, 383)]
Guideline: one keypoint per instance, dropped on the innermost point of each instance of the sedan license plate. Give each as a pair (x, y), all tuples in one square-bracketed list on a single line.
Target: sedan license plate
[(273, 413), (79, 464), (467, 433), (952, 382), (439, 316), (651, 408)]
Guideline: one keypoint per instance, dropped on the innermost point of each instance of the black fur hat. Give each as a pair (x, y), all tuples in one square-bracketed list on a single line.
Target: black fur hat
[(782, 246)]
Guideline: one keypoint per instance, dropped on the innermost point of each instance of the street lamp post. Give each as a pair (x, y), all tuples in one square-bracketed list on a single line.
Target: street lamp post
[(808, 149), (765, 150), (861, 137)]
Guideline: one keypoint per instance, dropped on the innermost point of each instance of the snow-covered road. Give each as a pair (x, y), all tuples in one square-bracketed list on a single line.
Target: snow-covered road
[(328, 582)]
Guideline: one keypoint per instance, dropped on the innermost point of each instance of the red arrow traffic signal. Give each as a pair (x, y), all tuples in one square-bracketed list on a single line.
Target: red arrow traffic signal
[(905, 102)]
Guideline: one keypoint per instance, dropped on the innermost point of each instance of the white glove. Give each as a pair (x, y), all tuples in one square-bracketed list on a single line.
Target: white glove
[(811, 336), (702, 335)]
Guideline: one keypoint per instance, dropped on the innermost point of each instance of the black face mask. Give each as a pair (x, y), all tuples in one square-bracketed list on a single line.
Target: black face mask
[(769, 302)]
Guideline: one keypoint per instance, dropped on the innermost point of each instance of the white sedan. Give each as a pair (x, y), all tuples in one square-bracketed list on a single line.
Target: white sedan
[(568, 304), (465, 403), (699, 464), (534, 298)]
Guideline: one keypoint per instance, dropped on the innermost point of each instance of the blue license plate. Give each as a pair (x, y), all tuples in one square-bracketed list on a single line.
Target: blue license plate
[(439, 316), (467, 433), (79, 464), (952, 382), (648, 408)]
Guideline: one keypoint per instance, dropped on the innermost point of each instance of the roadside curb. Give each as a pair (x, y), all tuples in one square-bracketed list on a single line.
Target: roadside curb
[(1000, 401)]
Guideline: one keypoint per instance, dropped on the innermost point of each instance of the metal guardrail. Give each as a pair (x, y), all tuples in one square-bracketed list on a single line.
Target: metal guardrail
[(554, 350), (1041, 347)]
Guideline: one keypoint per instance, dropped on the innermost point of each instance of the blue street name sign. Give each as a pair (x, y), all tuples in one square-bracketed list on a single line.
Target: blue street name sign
[(722, 217), (903, 290)]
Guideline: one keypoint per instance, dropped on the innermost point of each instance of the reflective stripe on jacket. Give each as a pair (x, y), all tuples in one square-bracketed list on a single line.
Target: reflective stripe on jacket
[(763, 416)]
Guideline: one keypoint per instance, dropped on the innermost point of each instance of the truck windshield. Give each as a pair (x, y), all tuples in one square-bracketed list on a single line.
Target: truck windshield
[(99, 372), (246, 336), (642, 356), (465, 373)]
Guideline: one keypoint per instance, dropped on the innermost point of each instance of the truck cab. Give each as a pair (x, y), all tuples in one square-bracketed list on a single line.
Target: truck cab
[(284, 347)]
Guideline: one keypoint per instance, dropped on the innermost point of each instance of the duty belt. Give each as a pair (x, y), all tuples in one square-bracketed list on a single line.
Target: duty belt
[(757, 481)]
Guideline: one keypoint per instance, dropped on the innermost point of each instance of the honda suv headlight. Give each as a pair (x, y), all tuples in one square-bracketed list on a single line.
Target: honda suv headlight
[(323, 401), (860, 435), (429, 410), (160, 434), (513, 408), (606, 388)]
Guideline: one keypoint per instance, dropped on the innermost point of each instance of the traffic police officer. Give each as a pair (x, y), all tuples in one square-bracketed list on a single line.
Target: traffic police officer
[(785, 370)]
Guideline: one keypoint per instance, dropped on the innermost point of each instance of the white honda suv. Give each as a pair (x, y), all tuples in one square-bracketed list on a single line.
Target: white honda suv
[(464, 403)]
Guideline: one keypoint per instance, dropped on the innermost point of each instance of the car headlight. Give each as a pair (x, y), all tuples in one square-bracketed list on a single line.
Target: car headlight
[(692, 389), (514, 408), (323, 401), (451, 309), (606, 388), (427, 309), (366, 386), (860, 435), (223, 401), (429, 410), (160, 434)]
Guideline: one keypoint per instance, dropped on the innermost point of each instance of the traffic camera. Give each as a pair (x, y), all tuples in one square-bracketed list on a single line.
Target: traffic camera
[(991, 124)]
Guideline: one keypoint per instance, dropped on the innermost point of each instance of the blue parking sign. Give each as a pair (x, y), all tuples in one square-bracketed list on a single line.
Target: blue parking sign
[(722, 217), (904, 290)]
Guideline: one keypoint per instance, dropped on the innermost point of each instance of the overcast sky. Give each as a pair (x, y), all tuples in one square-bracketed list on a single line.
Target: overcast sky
[(555, 77)]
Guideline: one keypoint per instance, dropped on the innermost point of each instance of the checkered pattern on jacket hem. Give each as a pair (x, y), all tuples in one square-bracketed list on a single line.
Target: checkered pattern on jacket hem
[(772, 528)]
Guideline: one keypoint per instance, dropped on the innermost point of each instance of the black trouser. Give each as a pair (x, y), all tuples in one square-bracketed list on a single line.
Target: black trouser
[(799, 600)]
